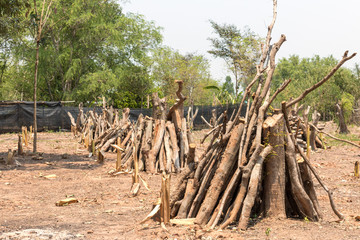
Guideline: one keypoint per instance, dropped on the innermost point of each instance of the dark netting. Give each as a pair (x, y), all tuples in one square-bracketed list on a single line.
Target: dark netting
[(206, 112), (9, 118), (53, 115), (135, 113), (14, 115)]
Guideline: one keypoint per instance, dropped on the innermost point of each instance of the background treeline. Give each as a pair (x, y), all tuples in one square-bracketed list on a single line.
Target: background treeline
[(89, 49)]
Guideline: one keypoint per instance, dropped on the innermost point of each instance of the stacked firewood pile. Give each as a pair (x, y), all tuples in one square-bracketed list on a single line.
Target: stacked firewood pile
[(159, 143), (251, 165), (98, 131), (306, 133)]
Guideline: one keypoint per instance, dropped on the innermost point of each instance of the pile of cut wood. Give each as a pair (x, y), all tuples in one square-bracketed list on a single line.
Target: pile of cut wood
[(160, 143), (254, 165)]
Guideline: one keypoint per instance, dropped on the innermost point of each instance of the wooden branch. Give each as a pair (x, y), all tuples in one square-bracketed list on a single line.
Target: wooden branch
[(72, 120), (279, 90), (245, 174), (303, 202), (159, 133), (268, 36), (210, 132), (217, 183), (329, 192), (255, 180), (165, 198), (207, 123), (175, 157), (181, 97), (309, 90), (338, 139)]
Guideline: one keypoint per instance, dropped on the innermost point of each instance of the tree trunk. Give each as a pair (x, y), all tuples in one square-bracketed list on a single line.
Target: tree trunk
[(315, 119), (342, 123), (274, 184), (35, 89)]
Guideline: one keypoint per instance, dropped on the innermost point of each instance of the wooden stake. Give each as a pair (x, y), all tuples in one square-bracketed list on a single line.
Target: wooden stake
[(86, 142), (308, 149), (356, 169), (93, 147), (31, 131), (24, 135), (118, 155), (10, 157), (100, 157), (165, 198), (20, 147)]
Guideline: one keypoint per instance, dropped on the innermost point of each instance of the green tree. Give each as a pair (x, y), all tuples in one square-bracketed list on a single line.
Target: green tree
[(305, 72), (39, 21), (224, 94), (11, 14), (239, 49), (228, 85), (193, 69), (89, 49)]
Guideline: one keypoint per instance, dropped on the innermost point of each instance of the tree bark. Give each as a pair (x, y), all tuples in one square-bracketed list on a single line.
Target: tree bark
[(274, 183), (221, 176), (158, 139), (304, 203), (253, 189), (342, 124)]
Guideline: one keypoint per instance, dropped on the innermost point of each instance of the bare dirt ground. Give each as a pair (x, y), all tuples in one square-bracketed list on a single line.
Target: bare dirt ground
[(107, 211)]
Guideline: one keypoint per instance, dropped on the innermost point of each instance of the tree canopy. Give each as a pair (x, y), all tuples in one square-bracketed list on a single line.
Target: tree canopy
[(169, 65), (88, 50), (239, 49), (343, 87)]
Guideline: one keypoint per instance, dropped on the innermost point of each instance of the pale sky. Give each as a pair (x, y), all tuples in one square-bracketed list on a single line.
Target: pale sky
[(312, 27)]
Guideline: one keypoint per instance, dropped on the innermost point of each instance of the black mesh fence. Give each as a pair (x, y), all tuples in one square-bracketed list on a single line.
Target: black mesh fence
[(50, 115), (206, 112), (53, 115)]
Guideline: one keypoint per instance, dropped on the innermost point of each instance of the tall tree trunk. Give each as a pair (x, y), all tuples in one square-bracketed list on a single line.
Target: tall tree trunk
[(274, 184), (35, 88), (342, 124)]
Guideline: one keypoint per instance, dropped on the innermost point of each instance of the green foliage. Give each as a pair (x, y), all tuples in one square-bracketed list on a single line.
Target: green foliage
[(228, 85), (225, 94), (193, 69), (267, 231), (349, 137), (306, 72), (347, 105), (10, 15), (239, 49), (88, 49)]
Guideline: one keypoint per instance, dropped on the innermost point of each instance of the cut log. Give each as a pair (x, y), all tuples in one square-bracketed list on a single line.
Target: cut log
[(165, 199), (221, 176), (274, 182), (309, 187), (146, 144), (158, 139), (168, 153), (175, 158), (301, 198), (253, 189), (191, 188)]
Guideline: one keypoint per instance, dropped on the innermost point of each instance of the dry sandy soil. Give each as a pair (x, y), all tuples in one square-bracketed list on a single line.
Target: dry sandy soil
[(107, 211)]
